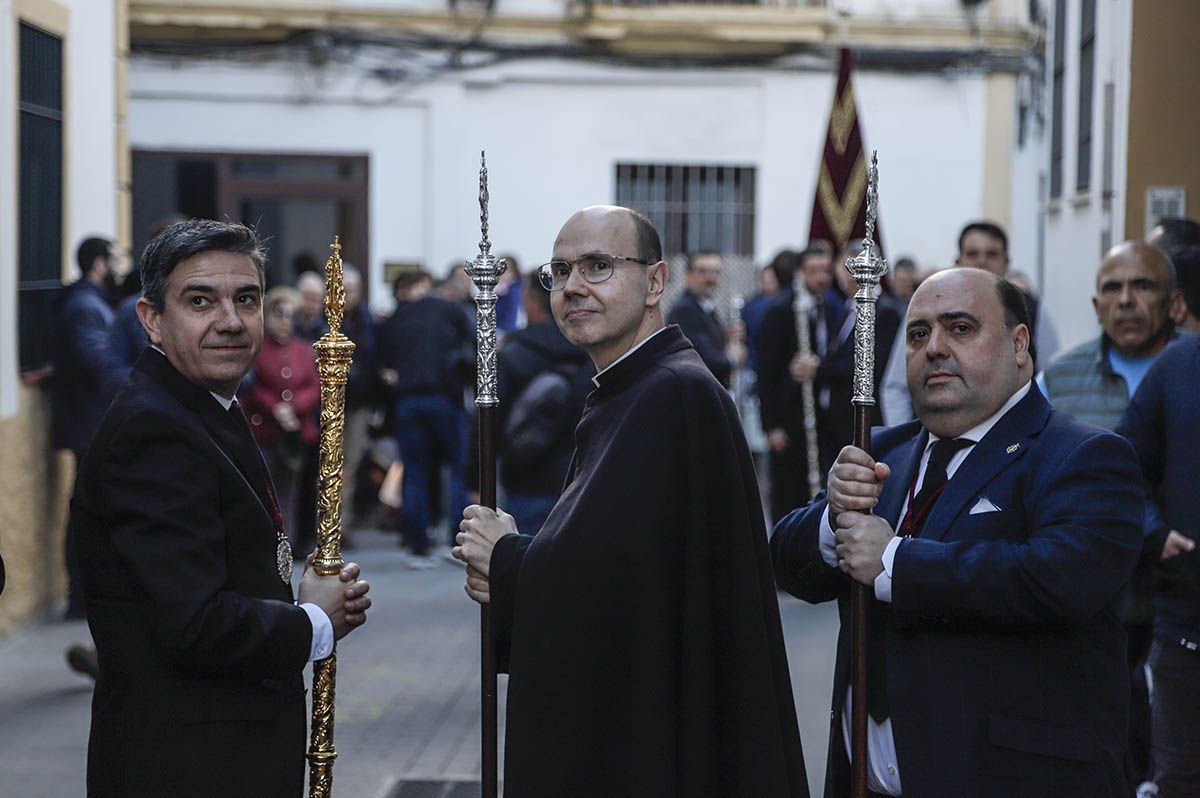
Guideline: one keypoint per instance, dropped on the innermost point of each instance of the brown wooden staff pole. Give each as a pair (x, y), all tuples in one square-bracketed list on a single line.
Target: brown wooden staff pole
[(868, 268), (485, 272), (860, 604)]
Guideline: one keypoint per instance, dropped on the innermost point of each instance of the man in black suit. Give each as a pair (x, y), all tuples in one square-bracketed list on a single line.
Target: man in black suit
[(696, 314), (782, 369), (187, 572), (996, 661)]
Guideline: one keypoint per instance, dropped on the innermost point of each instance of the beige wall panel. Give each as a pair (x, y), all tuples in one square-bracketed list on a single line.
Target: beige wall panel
[(34, 488), (1163, 113)]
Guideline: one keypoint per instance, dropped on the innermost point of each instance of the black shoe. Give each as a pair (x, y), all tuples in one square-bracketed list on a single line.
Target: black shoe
[(82, 659)]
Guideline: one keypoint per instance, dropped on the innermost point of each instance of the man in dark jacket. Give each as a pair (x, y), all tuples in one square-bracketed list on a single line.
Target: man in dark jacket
[(1160, 422), (999, 536), (424, 350), (83, 379), (538, 423), (640, 626), (696, 315), (201, 643)]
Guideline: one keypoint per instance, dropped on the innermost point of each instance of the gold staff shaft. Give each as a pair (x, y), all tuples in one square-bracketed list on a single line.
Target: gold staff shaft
[(334, 353)]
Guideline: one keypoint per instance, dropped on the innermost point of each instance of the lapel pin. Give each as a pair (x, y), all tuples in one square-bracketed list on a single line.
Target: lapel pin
[(1012, 448)]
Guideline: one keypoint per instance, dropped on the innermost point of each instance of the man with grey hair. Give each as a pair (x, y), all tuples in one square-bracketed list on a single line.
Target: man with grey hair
[(639, 626)]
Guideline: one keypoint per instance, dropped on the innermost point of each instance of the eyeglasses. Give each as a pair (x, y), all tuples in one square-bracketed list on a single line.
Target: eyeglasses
[(593, 268)]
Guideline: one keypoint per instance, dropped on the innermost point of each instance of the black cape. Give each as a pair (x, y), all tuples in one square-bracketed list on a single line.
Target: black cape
[(640, 626)]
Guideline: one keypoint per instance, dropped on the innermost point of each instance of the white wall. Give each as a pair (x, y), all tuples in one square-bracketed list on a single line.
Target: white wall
[(8, 212), (89, 158), (1076, 223), (90, 136), (554, 132)]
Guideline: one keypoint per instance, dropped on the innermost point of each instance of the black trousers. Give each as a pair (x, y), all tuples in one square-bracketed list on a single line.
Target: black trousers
[(1176, 720)]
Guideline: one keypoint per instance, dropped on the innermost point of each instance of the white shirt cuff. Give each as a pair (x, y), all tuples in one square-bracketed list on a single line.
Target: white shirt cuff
[(826, 541), (883, 582), (322, 638)]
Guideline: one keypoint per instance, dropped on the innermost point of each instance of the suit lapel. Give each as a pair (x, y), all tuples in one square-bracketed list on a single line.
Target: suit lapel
[(216, 422), (1002, 446)]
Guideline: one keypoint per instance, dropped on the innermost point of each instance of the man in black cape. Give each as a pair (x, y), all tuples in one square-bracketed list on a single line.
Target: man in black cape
[(639, 626)]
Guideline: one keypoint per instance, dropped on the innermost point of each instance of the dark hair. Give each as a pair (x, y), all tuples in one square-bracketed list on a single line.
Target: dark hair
[(784, 265), (987, 228), (184, 239), (1187, 274), (904, 262), (1016, 311), (539, 292), (410, 277), (649, 245), (700, 253), (89, 250), (816, 249), (1178, 233)]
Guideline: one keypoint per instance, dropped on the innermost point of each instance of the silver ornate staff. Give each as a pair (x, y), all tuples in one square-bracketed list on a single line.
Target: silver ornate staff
[(485, 272), (867, 268), (802, 308)]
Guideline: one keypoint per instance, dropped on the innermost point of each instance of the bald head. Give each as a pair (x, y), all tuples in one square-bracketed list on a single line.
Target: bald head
[(638, 231), (616, 305), (1134, 288), (312, 295)]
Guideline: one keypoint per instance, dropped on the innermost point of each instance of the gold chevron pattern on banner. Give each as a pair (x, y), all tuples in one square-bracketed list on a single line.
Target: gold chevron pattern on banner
[(841, 120), (841, 216)]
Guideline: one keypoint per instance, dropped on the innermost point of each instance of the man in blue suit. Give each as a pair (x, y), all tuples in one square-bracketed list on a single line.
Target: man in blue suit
[(1002, 534)]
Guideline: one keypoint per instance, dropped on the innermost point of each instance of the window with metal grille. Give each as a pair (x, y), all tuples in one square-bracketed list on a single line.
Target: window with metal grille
[(693, 207), (1087, 72), (40, 204), (1056, 100)]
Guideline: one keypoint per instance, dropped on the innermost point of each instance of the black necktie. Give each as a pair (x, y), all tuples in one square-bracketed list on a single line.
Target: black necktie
[(940, 455), (914, 520)]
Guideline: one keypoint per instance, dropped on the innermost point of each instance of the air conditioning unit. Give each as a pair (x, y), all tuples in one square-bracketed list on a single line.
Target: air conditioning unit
[(1163, 202)]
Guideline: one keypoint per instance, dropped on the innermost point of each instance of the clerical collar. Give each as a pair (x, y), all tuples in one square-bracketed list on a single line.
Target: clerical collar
[(977, 432), (225, 403), (646, 340)]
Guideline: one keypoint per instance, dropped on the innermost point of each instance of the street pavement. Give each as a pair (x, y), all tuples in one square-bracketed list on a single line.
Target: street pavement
[(406, 724)]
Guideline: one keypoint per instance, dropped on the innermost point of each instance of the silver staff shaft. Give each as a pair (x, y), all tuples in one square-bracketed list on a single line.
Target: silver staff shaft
[(802, 307)]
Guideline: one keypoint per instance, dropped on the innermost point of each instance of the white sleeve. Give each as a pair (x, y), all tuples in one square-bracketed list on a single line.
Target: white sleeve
[(826, 541), (883, 582), (322, 639)]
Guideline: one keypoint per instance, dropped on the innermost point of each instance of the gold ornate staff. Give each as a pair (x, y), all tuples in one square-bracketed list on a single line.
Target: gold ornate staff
[(334, 353)]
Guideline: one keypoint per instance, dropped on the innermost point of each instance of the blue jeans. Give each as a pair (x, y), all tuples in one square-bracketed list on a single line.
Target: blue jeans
[(431, 431), (530, 511)]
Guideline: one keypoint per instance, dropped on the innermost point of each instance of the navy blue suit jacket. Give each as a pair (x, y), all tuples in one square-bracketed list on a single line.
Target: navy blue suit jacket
[(1006, 668)]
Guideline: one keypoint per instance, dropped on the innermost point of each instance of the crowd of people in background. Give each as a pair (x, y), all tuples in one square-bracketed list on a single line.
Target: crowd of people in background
[(409, 409)]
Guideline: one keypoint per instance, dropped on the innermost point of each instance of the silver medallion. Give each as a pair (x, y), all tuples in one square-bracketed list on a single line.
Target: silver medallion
[(283, 560)]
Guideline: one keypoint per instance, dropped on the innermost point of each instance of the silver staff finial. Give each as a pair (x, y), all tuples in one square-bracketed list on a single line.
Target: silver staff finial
[(484, 244), (867, 268), (872, 197), (485, 272)]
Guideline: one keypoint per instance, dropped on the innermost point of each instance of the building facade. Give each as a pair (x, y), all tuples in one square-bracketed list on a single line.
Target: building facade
[(312, 117), (62, 178), (1120, 85)]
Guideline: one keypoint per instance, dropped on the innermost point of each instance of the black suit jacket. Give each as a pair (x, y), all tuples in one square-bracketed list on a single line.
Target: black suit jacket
[(1006, 671), (704, 332), (201, 647)]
